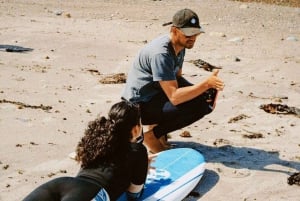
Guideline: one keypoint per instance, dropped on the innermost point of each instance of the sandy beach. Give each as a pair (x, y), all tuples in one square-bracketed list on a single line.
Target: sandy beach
[(54, 56)]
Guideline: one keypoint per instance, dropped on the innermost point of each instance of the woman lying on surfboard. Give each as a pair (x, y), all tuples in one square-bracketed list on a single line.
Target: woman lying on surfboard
[(112, 157)]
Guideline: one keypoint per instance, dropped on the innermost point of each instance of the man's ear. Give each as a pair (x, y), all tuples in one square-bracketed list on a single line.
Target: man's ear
[(173, 30)]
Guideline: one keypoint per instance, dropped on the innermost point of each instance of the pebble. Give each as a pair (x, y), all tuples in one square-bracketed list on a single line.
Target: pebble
[(236, 59), (244, 6), (219, 34), (236, 39), (292, 38), (58, 12)]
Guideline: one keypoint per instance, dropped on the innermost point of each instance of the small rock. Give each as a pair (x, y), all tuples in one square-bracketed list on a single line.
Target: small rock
[(59, 12), (63, 171), (237, 59), (68, 15), (291, 38), (51, 174), (72, 155), (5, 167), (244, 6), (218, 34), (236, 39)]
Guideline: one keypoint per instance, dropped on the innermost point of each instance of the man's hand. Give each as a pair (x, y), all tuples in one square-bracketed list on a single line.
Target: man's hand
[(215, 82)]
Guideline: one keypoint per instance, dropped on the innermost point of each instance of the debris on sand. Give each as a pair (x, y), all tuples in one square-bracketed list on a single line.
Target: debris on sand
[(291, 3), (221, 141), (14, 48), (94, 71), (5, 167), (253, 136), (118, 78), (195, 194), (22, 105), (280, 109), (294, 179), (51, 174), (205, 65), (185, 134), (273, 98), (237, 118)]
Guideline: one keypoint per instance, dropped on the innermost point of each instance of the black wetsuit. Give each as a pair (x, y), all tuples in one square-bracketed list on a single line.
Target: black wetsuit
[(114, 178)]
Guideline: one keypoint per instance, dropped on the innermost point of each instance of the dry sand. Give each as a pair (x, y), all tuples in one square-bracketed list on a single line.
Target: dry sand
[(77, 43)]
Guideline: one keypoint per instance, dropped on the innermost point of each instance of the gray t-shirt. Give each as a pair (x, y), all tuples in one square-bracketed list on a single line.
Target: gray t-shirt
[(155, 62)]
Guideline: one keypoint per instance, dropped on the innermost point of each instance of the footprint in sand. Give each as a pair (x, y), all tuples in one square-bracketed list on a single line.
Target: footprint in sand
[(237, 173)]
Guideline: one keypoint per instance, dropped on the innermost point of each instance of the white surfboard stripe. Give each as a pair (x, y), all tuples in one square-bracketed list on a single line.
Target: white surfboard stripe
[(184, 155)]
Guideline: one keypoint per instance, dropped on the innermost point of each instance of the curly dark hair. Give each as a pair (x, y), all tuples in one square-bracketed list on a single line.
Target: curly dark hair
[(108, 139)]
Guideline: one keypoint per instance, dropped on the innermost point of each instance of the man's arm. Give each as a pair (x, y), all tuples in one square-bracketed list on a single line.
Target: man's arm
[(180, 95)]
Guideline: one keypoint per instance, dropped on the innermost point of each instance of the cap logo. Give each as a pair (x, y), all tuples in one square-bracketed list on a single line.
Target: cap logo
[(193, 21)]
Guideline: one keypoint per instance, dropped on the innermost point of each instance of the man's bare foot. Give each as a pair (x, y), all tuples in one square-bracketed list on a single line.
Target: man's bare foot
[(152, 143)]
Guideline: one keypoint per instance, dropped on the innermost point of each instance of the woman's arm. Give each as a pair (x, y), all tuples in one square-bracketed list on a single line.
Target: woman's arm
[(134, 192), (139, 169)]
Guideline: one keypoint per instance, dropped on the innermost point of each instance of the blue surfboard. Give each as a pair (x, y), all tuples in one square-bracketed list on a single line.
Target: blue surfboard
[(176, 173)]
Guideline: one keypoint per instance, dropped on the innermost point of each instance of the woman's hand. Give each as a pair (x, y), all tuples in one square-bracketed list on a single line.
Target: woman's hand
[(151, 159)]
